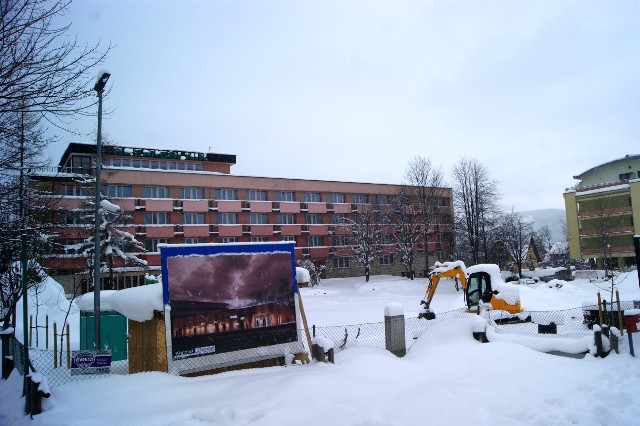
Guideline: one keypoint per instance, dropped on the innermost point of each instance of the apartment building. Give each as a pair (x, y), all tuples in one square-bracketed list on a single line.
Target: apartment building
[(181, 197), (603, 212)]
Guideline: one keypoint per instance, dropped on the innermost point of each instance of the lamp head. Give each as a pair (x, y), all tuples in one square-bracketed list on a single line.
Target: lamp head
[(102, 81)]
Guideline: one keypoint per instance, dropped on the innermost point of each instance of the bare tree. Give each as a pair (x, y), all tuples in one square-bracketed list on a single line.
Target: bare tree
[(515, 234), (425, 184), (409, 231), (40, 65), (23, 209), (475, 200), (367, 235)]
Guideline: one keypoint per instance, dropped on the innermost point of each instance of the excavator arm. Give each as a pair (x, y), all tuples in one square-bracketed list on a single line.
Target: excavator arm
[(434, 280)]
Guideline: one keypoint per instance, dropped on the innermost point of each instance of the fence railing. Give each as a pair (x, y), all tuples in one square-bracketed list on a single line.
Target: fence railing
[(569, 322)]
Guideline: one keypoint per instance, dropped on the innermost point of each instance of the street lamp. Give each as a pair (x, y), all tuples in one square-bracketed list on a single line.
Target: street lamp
[(99, 88)]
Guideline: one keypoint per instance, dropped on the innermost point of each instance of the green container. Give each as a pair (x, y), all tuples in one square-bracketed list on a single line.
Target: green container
[(113, 333)]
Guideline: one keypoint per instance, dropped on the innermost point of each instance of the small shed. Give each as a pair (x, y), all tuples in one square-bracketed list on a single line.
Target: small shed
[(141, 309)]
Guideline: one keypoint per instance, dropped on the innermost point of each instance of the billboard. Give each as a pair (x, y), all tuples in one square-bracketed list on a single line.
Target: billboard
[(229, 303)]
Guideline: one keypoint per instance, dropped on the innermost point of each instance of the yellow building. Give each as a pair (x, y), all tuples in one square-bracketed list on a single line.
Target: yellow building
[(603, 212)]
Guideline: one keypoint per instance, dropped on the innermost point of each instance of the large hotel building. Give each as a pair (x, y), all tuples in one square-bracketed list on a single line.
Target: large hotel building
[(180, 197)]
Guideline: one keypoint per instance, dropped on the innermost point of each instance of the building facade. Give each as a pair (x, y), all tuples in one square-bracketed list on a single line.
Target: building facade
[(603, 213), (178, 197)]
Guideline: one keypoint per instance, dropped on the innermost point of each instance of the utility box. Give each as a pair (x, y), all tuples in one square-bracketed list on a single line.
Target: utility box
[(631, 322), (113, 333)]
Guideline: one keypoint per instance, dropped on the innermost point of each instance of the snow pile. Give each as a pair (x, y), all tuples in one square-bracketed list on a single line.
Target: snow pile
[(508, 292), (136, 303), (47, 301), (393, 309), (447, 266), (302, 275), (85, 302)]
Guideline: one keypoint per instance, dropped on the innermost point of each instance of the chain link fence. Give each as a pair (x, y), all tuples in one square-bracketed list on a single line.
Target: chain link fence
[(56, 366)]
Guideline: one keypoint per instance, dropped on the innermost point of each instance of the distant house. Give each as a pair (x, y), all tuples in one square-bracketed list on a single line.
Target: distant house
[(502, 257)]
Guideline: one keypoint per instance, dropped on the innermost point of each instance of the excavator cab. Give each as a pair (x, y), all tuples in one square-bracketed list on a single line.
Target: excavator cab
[(479, 289)]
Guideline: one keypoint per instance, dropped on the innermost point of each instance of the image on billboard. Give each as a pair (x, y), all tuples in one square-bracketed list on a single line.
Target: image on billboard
[(229, 297)]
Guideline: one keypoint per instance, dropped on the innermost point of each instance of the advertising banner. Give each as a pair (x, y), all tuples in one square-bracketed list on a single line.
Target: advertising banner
[(229, 298), (90, 362)]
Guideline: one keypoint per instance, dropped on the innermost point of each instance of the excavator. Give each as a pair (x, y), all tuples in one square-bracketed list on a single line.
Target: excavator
[(481, 283)]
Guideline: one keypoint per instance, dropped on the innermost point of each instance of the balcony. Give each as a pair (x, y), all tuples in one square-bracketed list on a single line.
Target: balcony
[(164, 205), (316, 207), (229, 206), (195, 206), (229, 230), (159, 231), (597, 232), (288, 207), (605, 212), (261, 230), (195, 231), (260, 206)]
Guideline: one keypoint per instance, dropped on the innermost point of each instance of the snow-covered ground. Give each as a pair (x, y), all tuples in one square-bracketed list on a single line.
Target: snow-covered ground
[(446, 378)]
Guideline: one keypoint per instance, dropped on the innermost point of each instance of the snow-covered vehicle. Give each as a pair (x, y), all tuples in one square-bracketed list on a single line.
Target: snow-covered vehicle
[(482, 284)]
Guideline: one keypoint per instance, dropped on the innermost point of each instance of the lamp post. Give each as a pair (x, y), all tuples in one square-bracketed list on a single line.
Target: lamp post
[(99, 88)]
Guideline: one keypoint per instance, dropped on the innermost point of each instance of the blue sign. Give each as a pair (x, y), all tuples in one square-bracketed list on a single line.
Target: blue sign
[(91, 362)]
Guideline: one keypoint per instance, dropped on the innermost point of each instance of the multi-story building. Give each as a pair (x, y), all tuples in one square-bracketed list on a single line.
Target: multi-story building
[(603, 212), (181, 197)]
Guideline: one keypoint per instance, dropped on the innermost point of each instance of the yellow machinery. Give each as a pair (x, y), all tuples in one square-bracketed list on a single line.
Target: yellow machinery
[(477, 287)]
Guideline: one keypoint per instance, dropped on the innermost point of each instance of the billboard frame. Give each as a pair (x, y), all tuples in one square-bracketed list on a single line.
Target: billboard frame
[(201, 360)]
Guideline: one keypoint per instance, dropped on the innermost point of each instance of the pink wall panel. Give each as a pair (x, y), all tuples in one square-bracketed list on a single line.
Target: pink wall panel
[(195, 231), (229, 206), (162, 231), (198, 206), (261, 206), (317, 207), (289, 207), (230, 230), (159, 205), (342, 208)]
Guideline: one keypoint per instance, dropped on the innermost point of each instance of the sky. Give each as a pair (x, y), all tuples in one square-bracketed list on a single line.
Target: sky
[(446, 377), (538, 92)]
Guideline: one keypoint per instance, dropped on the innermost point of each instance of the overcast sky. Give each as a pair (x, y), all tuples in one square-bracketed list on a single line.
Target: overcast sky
[(537, 91)]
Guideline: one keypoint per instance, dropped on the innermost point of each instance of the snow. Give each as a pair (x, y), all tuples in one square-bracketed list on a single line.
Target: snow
[(393, 309), (302, 275), (447, 377)]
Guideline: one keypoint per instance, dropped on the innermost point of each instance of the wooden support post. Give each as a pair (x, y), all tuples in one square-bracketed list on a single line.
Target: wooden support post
[(68, 347), (46, 334), (30, 330), (55, 345), (597, 336), (599, 310), (304, 321), (613, 340), (620, 322)]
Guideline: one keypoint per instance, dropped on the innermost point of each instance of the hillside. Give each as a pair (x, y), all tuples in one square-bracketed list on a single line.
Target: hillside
[(553, 218)]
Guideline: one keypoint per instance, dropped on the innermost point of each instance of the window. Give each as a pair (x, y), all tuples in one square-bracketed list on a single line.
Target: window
[(228, 240), (285, 196), (382, 199), (341, 262), (339, 240), (259, 239), (314, 241), (313, 219), (311, 197), (151, 244), (258, 218), (335, 197), (191, 193), (194, 240), (386, 259), (155, 192), (225, 194), (74, 217), (255, 195), (626, 176), (287, 238), (226, 219), (386, 239), (360, 198), (338, 219), (193, 218), (80, 164), (124, 219), (285, 219), (441, 238), (120, 191), (75, 190), (156, 218)]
